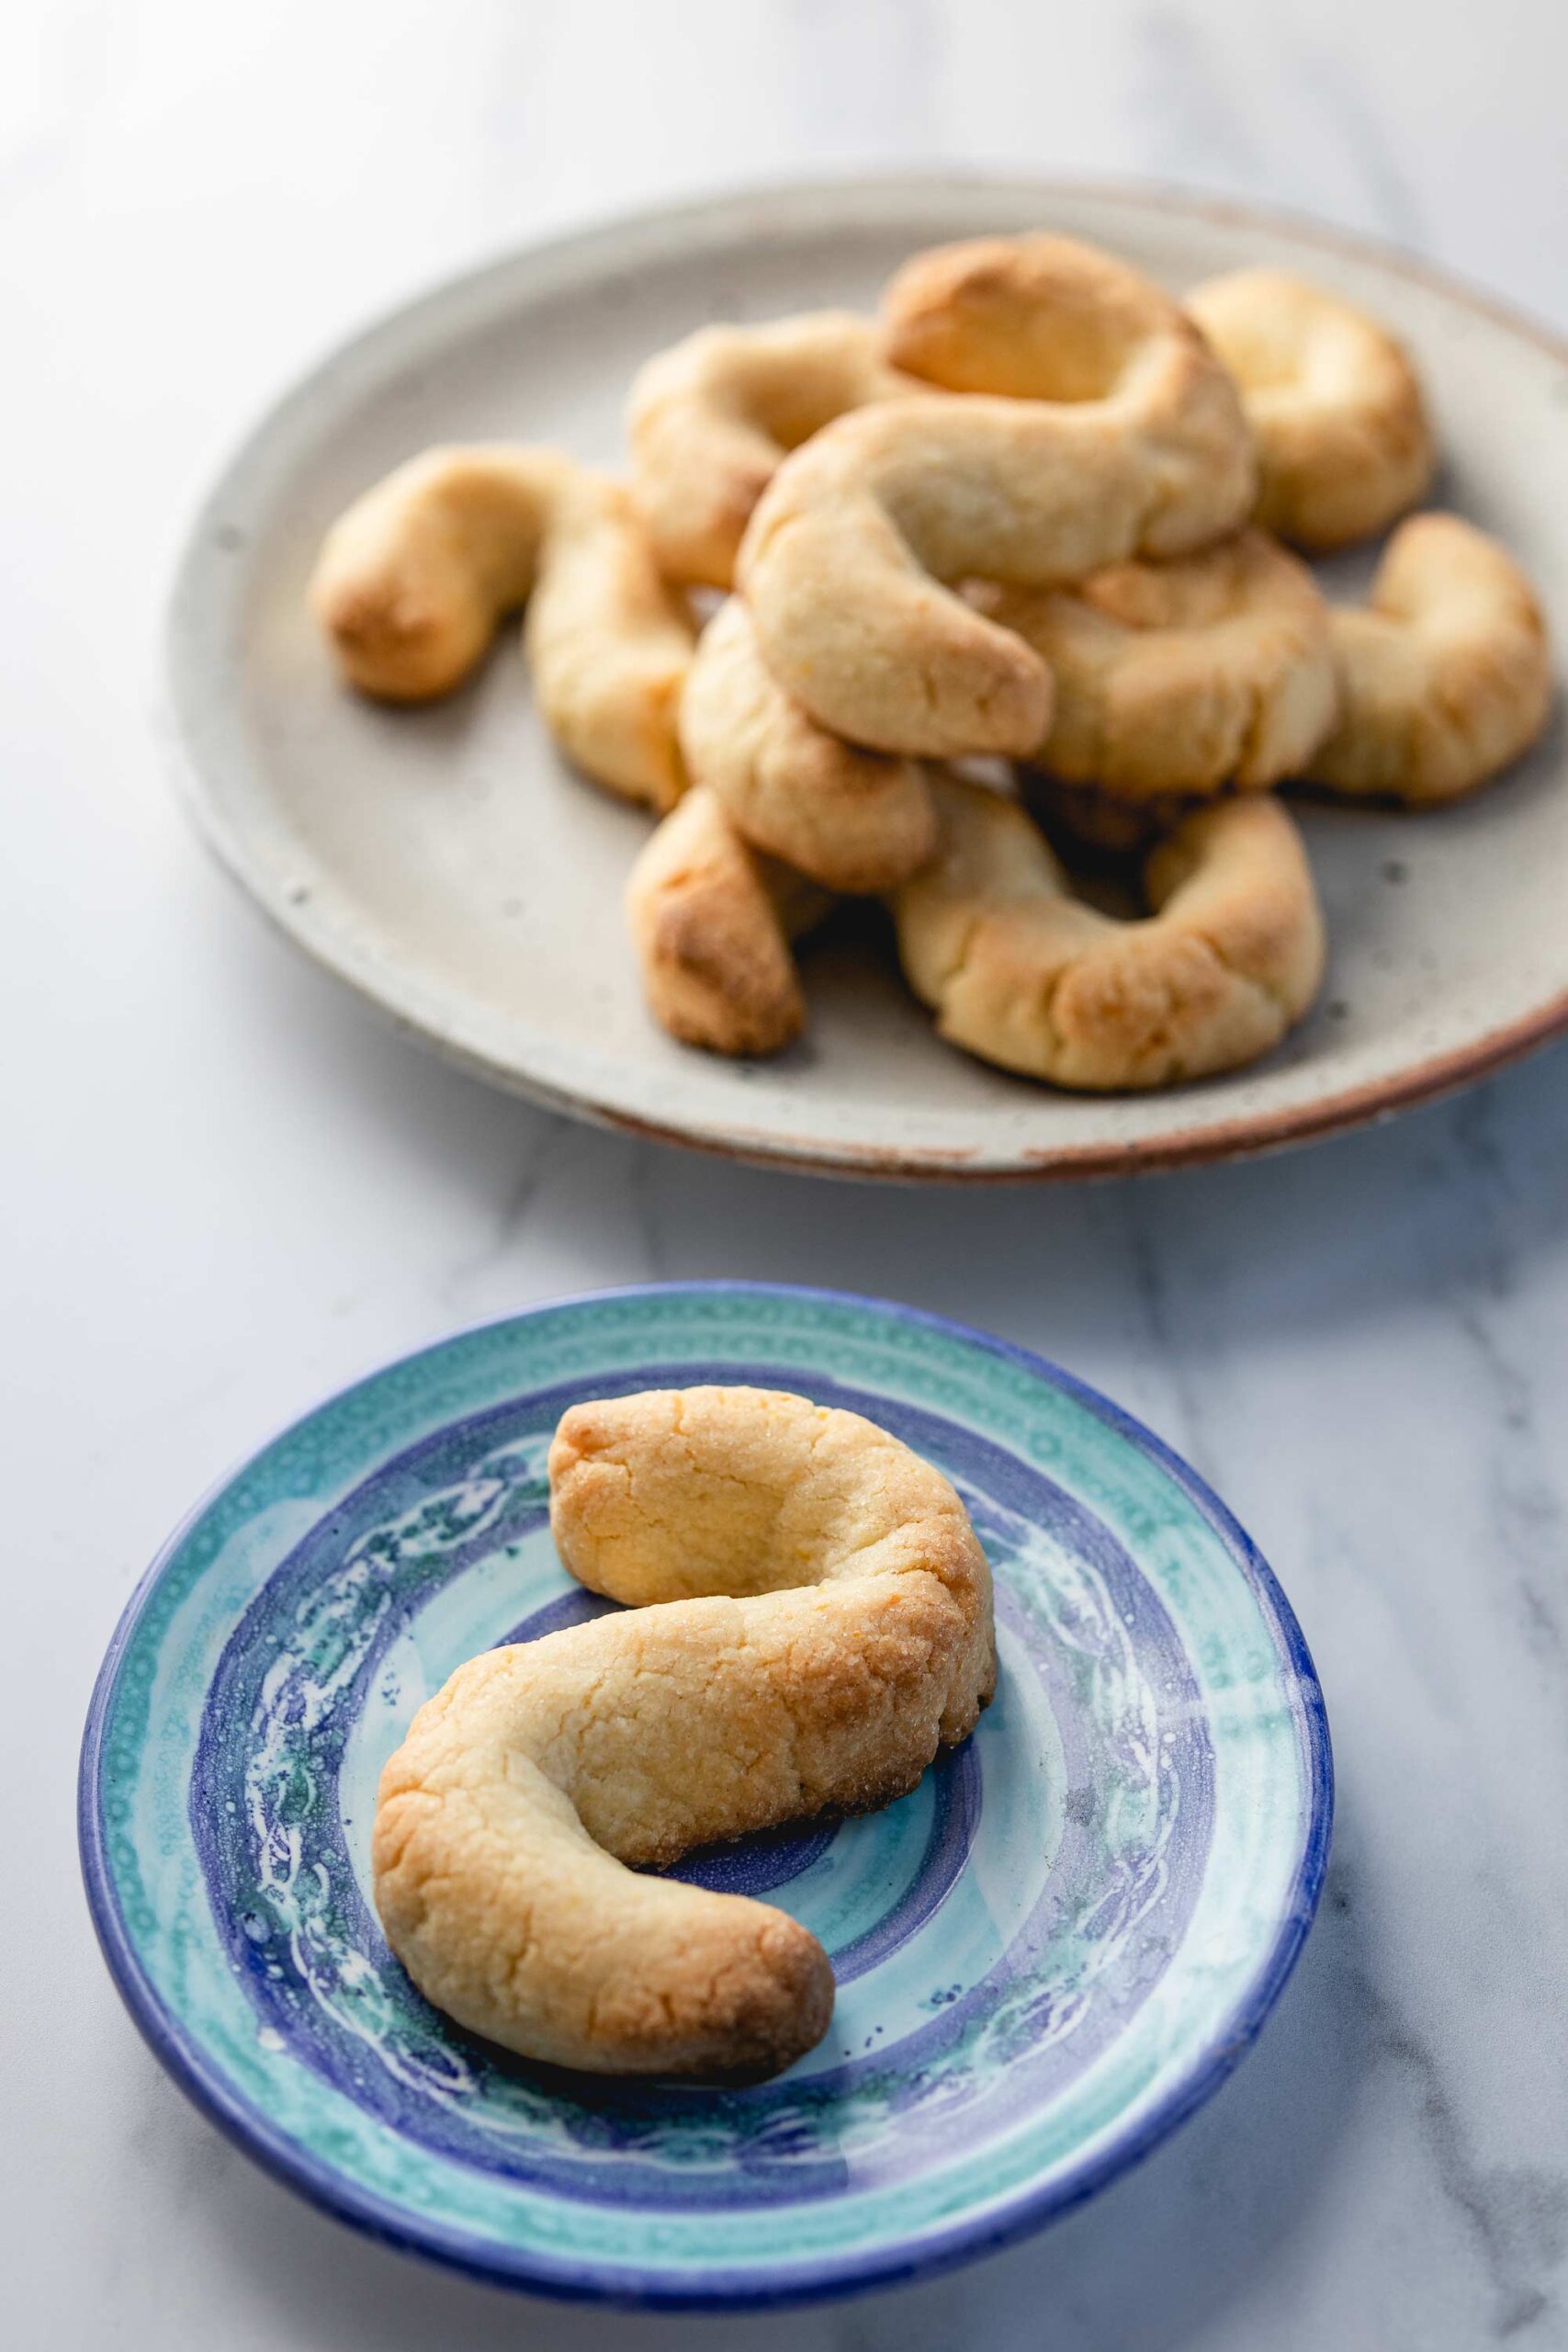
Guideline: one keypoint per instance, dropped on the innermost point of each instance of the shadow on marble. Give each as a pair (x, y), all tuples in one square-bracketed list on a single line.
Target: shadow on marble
[(1340, 1231), (1151, 2263)]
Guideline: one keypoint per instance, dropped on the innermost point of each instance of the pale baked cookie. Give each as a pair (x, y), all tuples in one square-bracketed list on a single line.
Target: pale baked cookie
[(853, 820), (1024, 974), (1445, 676), (1202, 673), (712, 419), (414, 578), (1343, 444), (809, 1624), (712, 920), (1120, 435)]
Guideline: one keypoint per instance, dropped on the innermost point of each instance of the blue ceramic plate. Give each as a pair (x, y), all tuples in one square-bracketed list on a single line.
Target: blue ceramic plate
[(1046, 1956)]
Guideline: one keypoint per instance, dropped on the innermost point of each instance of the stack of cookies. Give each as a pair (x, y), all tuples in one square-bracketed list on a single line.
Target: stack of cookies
[(1036, 511)]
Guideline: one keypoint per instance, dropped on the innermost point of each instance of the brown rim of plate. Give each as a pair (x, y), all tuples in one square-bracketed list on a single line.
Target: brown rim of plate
[(1239, 1139)]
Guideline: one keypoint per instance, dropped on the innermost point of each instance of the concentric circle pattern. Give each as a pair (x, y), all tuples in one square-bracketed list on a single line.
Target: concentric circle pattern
[(1044, 1955)]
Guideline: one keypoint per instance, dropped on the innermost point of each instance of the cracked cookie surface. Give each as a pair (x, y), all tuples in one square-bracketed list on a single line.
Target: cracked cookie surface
[(1096, 424), (1208, 673), (414, 580), (1343, 442), (809, 1622), (1024, 974), (1445, 673)]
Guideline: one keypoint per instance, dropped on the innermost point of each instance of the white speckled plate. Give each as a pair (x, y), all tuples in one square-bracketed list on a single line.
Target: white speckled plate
[(447, 865)]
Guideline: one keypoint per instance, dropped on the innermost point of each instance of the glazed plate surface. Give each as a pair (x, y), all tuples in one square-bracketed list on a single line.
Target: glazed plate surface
[(445, 863), (1046, 1955)]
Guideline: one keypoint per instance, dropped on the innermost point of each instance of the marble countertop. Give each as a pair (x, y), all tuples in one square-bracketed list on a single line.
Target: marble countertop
[(231, 1189)]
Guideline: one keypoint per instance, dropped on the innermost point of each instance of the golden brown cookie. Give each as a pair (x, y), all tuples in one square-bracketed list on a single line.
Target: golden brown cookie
[(1024, 974), (1120, 435), (1445, 677), (712, 419), (809, 1624), (413, 580), (712, 920), (1204, 673), (853, 821), (1344, 445)]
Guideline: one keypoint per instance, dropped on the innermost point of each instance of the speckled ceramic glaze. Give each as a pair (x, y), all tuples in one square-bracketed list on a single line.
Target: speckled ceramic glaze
[(1046, 1955), (446, 864)]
